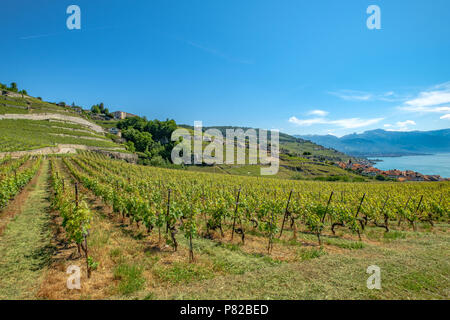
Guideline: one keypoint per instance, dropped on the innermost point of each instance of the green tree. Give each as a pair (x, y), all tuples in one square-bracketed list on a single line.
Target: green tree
[(95, 109), (13, 87), (142, 140), (130, 146), (150, 137)]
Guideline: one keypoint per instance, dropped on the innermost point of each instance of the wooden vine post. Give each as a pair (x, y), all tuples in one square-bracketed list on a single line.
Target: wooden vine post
[(400, 218), (286, 213), (386, 216), (360, 205), (191, 247), (235, 213), (168, 211), (357, 212), (417, 210), (87, 256), (204, 211), (76, 194), (326, 209), (170, 228), (270, 246), (76, 207)]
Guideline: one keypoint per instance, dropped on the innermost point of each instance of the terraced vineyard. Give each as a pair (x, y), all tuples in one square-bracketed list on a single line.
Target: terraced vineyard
[(18, 135), (147, 232), (29, 105)]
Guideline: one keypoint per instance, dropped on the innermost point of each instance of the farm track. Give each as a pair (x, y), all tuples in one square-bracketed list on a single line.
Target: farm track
[(25, 246), (15, 206)]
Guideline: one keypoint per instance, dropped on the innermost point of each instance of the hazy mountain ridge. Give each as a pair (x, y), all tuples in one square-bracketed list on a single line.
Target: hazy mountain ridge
[(386, 143)]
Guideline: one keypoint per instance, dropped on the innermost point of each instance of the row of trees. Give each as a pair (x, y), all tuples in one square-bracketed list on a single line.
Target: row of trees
[(100, 109), (13, 87)]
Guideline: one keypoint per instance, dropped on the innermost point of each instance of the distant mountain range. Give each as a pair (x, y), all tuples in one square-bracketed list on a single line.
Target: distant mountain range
[(378, 143)]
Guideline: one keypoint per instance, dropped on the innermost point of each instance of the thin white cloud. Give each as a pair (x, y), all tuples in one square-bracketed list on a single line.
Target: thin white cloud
[(426, 109), (406, 123), (40, 36), (353, 123), (306, 122), (400, 125), (355, 95), (317, 112), (430, 101), (445, 116), (440, 94), (350, 123), (36, 36), (352, 95)]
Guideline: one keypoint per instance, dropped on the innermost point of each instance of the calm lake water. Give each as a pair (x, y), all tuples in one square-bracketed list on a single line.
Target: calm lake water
[(432, 164)]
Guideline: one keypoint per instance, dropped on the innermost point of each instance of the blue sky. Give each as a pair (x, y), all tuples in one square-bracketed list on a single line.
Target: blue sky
[(298, 66)]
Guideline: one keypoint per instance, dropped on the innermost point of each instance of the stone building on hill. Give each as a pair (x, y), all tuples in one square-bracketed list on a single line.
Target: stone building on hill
[(120, 115)]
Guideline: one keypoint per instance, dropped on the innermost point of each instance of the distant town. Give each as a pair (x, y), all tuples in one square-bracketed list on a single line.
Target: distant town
[(400, 175)]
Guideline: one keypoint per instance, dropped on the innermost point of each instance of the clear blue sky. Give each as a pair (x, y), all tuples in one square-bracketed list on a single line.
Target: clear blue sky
[(298, 66)]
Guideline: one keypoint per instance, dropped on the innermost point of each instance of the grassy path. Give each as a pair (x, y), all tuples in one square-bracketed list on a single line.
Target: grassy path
[(25, 247)]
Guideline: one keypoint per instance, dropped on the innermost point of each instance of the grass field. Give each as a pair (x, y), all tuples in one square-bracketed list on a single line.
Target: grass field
[(25, 246)]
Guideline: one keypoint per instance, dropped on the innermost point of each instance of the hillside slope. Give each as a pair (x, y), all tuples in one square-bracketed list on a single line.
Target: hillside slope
[(294, 146), (299, 159), (30, 125)]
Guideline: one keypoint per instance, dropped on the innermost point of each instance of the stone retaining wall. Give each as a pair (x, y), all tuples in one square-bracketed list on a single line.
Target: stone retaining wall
[(54, 116)]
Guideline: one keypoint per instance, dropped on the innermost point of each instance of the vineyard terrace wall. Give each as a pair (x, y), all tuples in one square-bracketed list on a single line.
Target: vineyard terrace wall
[(54, 116)]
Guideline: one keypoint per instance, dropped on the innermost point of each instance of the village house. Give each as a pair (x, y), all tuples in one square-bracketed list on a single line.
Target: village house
[(433, 178), (120, 115), (400, 175), (371, 171), (78, 110), (342, 165), (115, 131), (358, 167)]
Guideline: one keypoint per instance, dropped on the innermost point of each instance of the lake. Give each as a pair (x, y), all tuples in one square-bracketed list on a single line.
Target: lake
[(429, 164)]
